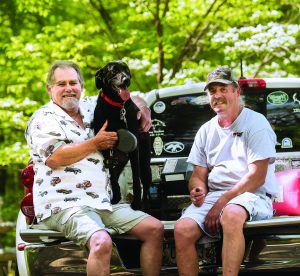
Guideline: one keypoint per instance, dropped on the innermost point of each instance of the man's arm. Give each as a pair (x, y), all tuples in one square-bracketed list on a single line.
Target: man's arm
[(254, 179), (72, 153), (144, 115), (198, 185)]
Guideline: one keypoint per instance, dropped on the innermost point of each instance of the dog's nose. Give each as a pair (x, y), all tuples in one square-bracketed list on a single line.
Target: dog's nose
[(126, 81)]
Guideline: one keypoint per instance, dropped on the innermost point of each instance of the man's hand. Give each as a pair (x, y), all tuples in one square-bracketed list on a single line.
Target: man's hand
[(144, 115), (197, 196), (212, 220), (105, 139)]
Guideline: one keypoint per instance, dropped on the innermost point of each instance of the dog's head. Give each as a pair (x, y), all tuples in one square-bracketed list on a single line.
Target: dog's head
[(114, 80)]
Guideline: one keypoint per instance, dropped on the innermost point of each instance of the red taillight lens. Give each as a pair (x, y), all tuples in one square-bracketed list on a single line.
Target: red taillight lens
[(27, 176), (27, 206), (252, 83), (21, 246)]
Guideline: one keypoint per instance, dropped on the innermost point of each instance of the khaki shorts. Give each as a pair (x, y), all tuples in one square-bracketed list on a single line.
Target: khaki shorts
[(258, 206), (79, 223)]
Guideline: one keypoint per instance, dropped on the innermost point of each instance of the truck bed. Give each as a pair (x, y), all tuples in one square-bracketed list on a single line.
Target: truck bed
[(275, 225)]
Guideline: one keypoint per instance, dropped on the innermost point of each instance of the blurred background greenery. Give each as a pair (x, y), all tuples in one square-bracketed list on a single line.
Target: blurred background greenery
[(165, 43)]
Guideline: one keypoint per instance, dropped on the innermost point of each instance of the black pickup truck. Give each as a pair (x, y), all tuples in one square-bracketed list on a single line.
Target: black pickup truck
[(177, 113)]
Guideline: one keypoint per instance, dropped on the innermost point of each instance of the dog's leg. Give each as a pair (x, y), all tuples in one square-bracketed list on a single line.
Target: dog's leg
[(117, 170), (111, 164), (115, 187), (135, 168), (145, 159)]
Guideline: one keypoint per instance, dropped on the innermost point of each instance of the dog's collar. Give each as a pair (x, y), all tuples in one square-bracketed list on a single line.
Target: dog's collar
[(110, 101)]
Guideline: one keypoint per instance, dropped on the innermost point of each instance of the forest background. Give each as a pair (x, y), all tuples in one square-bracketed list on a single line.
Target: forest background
[(165, 43)]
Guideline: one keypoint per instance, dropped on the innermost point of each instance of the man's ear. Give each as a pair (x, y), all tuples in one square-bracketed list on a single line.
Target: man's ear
[(49, 90), (99, 78)]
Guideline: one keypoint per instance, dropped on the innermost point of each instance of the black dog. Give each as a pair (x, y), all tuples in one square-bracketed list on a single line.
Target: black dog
[(115, 105)]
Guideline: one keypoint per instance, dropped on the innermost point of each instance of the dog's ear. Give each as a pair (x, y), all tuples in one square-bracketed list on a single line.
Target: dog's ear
[(99, 78)]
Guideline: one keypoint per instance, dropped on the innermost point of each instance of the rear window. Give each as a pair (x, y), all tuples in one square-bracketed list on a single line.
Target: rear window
[(175, 122), (282, 109), (176, 119)]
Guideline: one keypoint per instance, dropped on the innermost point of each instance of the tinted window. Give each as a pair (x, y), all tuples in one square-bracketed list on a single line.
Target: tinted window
[(282, 109), (177, 119), (175, 123)]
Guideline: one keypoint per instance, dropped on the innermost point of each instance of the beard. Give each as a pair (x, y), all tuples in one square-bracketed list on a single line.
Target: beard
[(70, 103)]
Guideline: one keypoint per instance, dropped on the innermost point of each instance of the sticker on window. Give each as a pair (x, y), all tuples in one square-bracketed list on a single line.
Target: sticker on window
[(158, 145), (174, 147), (159, 107), (158, 126), (286, 143), (277, 97), (296, 99)]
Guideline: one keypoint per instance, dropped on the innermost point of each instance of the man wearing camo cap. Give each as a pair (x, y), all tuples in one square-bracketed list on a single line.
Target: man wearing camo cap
[(233, 180)]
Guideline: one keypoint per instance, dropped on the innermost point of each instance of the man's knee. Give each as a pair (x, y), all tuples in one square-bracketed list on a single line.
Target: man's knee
[(149, 229), (100, 243), (186, 230), (233, 218), (156, 229)]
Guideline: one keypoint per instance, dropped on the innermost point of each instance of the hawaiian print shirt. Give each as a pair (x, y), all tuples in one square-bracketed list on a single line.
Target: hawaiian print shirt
[(85, 182)]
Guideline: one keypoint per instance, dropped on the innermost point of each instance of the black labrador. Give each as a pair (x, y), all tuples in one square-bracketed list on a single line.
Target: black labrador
[(115, 105)]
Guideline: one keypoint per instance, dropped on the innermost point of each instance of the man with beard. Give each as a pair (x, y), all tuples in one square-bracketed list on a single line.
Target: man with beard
[(67, 157), (233, 180)]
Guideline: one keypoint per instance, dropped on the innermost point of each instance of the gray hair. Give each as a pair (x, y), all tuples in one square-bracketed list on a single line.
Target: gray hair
[(63, 64)]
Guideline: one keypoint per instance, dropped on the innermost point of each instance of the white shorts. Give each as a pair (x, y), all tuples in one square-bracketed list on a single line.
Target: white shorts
[(79, 223), (258, 206)]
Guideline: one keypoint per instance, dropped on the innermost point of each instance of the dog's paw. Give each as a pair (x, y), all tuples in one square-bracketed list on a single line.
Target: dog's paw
[(116, 199), (136, 205)]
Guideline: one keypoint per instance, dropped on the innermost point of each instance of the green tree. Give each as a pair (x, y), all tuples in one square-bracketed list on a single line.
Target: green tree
[(165, 42)]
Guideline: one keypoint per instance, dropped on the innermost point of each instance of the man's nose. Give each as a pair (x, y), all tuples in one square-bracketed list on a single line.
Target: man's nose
[(217, 94), (68, 87)]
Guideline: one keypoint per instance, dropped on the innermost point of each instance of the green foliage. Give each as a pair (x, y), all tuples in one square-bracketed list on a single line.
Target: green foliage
[(165, 43), (10, 203)]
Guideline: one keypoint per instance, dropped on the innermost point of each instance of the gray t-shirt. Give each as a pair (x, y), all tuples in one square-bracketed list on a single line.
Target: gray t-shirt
[(227, 152)]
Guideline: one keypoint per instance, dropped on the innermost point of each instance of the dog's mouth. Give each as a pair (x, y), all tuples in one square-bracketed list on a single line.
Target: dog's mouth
[(124, 93)]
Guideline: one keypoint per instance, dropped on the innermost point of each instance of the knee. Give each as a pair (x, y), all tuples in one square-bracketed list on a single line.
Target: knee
[(100, 244), (157, 230), (187, 231), (233, 218), (152, 231)]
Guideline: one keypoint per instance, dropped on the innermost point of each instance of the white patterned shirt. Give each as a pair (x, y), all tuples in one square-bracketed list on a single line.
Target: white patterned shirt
[(85, 182)]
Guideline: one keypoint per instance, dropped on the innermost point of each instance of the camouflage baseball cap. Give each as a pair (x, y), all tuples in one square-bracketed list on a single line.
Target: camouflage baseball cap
[(221, 75)]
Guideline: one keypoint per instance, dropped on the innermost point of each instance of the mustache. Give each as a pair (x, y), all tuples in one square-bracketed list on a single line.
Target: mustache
[(219, 101)]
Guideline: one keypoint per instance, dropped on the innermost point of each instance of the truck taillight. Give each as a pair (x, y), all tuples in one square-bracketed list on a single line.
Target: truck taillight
[(27, 207), (252, 83), (21, 246), (27, 176)]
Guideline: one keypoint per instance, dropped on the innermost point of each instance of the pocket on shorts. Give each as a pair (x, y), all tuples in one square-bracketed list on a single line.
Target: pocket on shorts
[(68, 213), (257, 207)]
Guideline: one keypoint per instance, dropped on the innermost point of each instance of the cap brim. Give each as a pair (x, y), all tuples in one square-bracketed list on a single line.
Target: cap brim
[(217, 81)]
